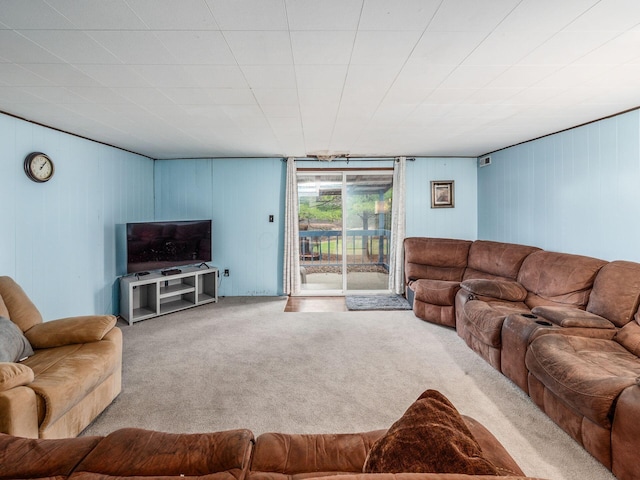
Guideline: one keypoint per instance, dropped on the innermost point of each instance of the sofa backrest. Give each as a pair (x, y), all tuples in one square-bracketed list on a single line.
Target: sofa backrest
[(496, 259), (616, 292), (15, 305), (435, 258), (553, 278)]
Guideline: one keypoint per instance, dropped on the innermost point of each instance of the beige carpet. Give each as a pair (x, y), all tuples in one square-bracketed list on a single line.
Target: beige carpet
[(244, 363)]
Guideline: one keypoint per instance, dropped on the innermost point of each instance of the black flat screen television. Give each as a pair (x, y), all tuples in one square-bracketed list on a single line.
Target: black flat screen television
[(168, 244)]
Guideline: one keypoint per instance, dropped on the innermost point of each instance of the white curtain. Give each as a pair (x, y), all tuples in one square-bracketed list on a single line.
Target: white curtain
[(291, 277), (398, 214)]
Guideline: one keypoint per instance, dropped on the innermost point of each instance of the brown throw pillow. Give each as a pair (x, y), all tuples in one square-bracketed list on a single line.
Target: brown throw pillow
[(431, 437)]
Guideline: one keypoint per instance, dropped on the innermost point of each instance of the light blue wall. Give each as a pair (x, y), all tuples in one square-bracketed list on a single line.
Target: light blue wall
[(576, 191), (238, 195), (58, 238), (457, 222)]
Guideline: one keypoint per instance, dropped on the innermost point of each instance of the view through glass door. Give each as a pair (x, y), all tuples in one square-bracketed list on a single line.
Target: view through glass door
[(345, 220)]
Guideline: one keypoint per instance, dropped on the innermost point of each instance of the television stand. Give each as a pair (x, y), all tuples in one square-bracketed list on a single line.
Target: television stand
[(159, 293)]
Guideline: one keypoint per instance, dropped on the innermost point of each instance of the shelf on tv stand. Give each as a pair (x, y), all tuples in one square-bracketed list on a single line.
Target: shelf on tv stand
[(148, 296)]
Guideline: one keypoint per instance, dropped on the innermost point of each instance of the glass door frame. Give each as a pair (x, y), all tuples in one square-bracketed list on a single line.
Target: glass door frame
[(344, 173)]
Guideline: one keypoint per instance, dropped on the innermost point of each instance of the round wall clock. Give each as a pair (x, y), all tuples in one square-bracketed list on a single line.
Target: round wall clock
[(38, 167)]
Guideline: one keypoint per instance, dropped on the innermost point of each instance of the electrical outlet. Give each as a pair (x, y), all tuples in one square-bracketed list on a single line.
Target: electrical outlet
[(226, 272)]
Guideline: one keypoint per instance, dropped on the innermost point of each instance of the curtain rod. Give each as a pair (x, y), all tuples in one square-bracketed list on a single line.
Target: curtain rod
[(349, 159)]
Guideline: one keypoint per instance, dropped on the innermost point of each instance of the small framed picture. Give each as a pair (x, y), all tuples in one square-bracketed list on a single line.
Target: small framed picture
[(442, 194)]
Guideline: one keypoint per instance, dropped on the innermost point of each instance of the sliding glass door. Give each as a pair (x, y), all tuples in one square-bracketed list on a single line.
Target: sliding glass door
[(344, 221)]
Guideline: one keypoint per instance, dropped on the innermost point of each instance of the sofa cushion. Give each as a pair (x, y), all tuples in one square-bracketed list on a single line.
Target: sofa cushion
[(501, 289), (66, 375), (587, 374), (134, 452), (572, 317), (431, 436), (14, 375), (554, 278), (435, 258), (616, 292), (14, 346), (484, 320), (17, 305), (496, 259), (277, 454), (435, 292)]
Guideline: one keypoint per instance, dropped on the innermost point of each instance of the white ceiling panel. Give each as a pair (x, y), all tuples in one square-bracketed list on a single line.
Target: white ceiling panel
[(321, 76), (260, 47), (270, 76), (386, 48), (34, 14), (62, 74), (471, 15), (98, 14), (326, 15), (276, 96), (177, 78), (174, 15), (448, 47), (172, 76), (397, 15), (71, 46), (215, 76), (197, 47), (133, 47), (566, 47), (231, 96), (612, 15), (21, 50), (249, 14), (113, 75), (17, 75), (371, 76), (322, 47)]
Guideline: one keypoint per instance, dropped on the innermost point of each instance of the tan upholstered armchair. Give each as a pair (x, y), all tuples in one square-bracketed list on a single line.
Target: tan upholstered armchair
[(73, 374)]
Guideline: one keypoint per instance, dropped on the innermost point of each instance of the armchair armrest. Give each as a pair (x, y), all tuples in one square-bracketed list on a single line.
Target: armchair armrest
[(14, 375), (572, 317), (511, 291), (68, 331)]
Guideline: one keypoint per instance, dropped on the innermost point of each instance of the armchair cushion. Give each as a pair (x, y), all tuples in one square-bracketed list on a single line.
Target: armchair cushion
[(69, 331), (431, 436), (572, 317), (14, 375), (500, 289), (14, 346)]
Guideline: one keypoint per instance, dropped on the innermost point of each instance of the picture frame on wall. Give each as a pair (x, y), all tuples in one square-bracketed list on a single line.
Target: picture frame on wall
[(442, 194)]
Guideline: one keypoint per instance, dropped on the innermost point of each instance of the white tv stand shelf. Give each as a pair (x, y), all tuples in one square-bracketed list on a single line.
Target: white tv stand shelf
[(148, 296)]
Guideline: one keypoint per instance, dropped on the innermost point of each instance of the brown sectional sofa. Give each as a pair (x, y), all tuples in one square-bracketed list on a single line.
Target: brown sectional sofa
[(74, 373), (237, 455), (565, 328)]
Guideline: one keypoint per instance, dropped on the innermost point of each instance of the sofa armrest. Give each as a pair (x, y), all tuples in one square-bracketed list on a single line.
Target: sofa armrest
[(14, 375), (511, 291), (625, 434), (572, 317), (68, 331), (19, 407)]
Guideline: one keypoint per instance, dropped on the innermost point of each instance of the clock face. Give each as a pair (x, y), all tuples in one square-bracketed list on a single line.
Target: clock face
[(38, 167)]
